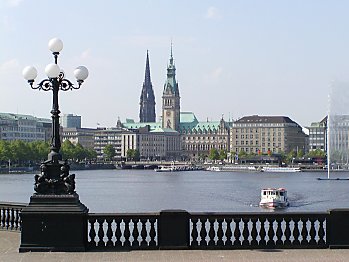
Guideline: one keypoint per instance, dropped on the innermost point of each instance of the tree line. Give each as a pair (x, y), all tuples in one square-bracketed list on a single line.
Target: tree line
[(22, 153)]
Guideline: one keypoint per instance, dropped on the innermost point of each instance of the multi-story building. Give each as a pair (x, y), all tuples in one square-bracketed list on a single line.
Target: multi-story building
[(338, 136), (71, 121), (24, 127), (266, 134), (108, 136), (318, 135), (82, 136), (198, 138)]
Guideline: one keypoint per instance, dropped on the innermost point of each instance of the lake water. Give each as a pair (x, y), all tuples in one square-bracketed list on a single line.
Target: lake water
[(112, 191)]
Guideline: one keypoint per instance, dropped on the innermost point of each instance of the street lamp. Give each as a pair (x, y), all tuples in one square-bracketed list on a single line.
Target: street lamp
[(54, 219), (54, 177)]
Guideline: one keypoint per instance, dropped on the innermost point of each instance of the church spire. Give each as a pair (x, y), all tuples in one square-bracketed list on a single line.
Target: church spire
[(147, 100), (147, 70)]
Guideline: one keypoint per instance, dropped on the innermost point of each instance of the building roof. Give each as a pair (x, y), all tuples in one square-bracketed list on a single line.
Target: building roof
[(133, 125), (12, 116), (163, 130), (265, 119), (188, 121)]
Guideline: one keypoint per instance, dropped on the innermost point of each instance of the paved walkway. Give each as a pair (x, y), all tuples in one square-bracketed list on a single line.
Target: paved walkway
[(9, 243)]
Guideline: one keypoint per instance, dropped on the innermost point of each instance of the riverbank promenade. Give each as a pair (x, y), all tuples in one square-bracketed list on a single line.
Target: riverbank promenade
[(9, 243)]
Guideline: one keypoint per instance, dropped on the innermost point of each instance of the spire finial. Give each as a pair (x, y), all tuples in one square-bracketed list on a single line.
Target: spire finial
[(171, 48)]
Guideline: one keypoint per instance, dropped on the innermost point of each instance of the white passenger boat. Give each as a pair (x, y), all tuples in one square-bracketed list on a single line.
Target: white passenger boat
[(274, 198), (164, 169), (213, 168), (281, 169)]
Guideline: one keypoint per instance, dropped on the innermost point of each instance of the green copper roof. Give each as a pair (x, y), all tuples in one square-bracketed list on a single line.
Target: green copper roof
[(188, 122)]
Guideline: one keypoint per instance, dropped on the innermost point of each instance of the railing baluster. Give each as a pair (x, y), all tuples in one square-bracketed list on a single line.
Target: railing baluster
[(152, 232), (262, 232), (143, 234), (304, 231), (127, 232), (279, 232), (312, 231), (228, 232), (321, 232), (109, 232), (194, 233), (203, 232), (118, 232), (211, 232), (220, 232), (245, 232), (254, 233), (287, 241), (100, 234), (237, 232)]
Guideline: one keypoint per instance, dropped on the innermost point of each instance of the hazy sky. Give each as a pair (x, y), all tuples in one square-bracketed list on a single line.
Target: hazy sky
[(234, 58)]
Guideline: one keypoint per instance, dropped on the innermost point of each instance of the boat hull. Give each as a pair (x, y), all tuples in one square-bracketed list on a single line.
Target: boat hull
[(274, 205)]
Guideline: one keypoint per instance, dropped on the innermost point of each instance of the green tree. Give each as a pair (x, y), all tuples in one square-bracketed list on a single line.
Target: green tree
[(222, 154), (79, 152), (133, 154), (242, 154), (300, 153), (214, 155), (109, 152), (316, 153), (67, 150)]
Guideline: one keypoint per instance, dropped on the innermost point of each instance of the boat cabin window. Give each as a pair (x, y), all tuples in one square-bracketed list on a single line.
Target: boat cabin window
[(281, 193)]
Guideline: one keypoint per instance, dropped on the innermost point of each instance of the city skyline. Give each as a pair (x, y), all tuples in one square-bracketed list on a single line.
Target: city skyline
[(235, 58)]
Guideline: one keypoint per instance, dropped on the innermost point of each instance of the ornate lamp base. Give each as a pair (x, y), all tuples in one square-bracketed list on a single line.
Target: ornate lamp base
[(54, 223)]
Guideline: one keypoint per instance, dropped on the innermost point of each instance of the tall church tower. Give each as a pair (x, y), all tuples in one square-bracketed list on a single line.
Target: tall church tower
[(147, 101), (171, 99)]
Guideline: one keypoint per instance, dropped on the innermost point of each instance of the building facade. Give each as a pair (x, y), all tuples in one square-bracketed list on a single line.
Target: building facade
[(71, 121), (24, 127), (198, 138), (266, 134), (82, 136), (147, 100), (318, 135)]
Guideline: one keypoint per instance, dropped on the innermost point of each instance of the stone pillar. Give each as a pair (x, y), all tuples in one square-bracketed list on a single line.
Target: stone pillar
[(54, 223), (173, 229)]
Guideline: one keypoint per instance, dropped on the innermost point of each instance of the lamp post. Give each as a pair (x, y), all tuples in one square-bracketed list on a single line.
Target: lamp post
[(55, 219), (54, 177)]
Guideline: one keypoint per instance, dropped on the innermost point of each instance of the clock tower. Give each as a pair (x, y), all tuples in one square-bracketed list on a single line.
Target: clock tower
[(171, 98)]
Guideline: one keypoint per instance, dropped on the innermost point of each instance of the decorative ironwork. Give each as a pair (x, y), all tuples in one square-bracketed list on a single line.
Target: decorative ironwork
[(63, 84), (62, 184), (54, 177)]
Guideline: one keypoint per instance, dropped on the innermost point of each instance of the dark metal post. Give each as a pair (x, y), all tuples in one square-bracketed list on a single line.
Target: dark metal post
[(55, 219)]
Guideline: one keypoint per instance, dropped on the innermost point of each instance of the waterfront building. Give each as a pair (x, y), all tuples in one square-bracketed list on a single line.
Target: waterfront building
[(178, 134), (24, 127), (82, 136), (152, 141), (71, 121), (339, 139), (147, 100), (198, 138), (266, 134), (318, 135), (108, 136)]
